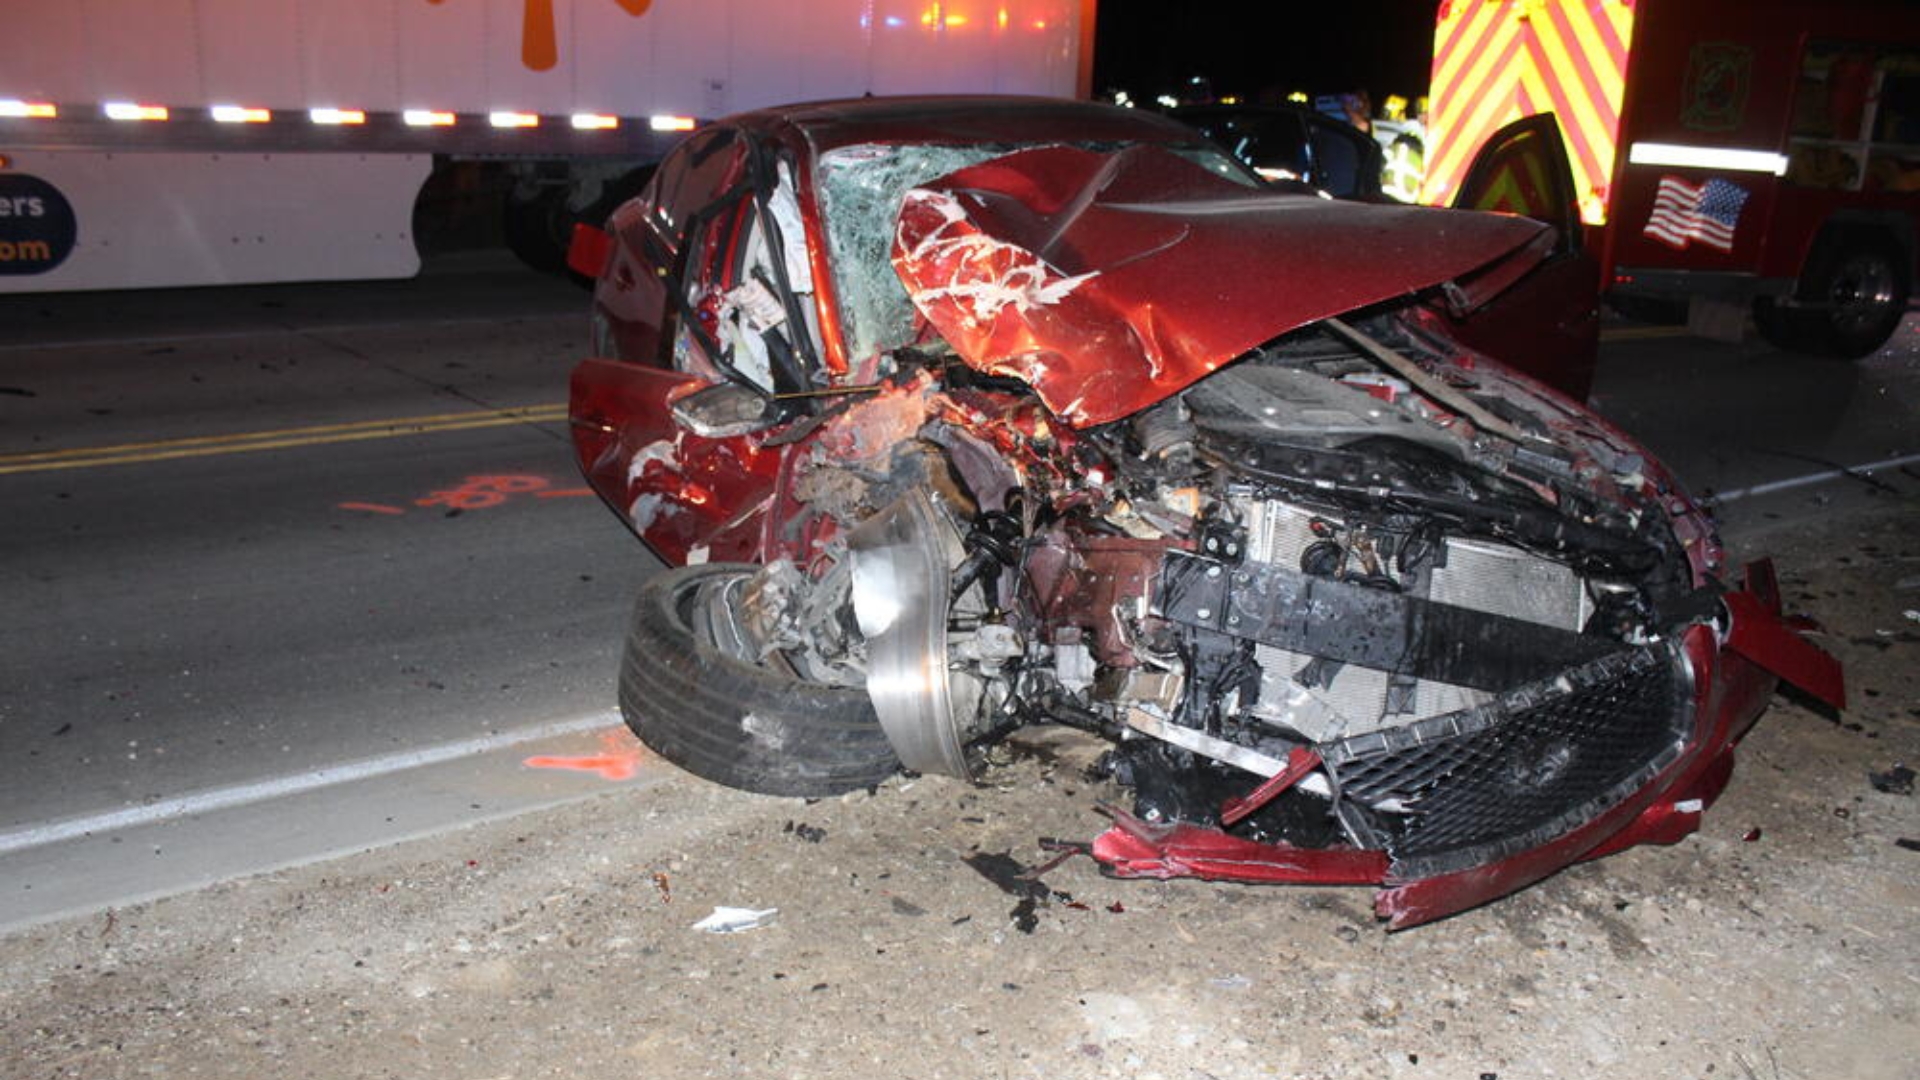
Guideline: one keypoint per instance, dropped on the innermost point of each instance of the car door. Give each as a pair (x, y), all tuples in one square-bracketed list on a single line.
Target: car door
[(678, 252), (1548, 323)]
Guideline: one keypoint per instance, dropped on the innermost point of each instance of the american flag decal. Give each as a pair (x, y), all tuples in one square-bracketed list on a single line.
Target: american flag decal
[(1684, 213)]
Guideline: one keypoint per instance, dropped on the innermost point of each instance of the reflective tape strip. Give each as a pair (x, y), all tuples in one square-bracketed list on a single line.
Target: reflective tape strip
[(1495, 61), (1707, 157), (127, 110), (28, 110)]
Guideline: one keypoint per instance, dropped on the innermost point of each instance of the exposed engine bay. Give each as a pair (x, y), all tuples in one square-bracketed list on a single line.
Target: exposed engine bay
[(1312, 605)]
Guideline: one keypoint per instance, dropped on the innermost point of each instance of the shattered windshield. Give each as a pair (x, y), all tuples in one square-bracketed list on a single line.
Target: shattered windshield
[(861, 188)]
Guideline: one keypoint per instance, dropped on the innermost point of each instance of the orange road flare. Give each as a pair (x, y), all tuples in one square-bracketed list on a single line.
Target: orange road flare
[(28, 110), (595, 122), (239, 114), (337, 116), (127, 110), (427, 118), (513, 119)]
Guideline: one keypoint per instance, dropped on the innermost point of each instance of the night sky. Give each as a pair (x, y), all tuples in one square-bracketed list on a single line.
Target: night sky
[(1382, 46)]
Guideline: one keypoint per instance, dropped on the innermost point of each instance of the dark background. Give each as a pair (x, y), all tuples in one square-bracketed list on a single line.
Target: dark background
[(1149, 47)]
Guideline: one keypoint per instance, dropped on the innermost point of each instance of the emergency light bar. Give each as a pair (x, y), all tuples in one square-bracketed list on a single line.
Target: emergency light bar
[(28, 110), (427, 118), (506, 119), (337, 116)]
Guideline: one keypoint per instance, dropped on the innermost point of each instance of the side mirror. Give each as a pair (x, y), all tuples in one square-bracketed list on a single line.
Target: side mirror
[(726, 409)]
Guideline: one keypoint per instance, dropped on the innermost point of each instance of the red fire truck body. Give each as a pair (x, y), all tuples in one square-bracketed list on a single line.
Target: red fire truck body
[(1738, 155)]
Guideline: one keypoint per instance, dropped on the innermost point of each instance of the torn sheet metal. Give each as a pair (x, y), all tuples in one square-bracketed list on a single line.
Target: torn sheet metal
[(1109, 280)]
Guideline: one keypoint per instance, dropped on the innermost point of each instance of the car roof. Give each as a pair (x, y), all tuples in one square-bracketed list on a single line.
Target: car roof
[(973, 118)]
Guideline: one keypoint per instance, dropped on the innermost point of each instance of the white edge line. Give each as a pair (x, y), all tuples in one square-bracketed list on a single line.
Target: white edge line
[(279, 787), (1811, 478)]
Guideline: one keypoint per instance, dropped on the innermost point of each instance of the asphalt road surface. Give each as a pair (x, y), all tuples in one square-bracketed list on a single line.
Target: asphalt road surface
[(289, 571)]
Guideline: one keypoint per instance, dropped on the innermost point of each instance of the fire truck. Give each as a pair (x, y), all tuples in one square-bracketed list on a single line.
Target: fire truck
[(1755, 159), (195, 142)]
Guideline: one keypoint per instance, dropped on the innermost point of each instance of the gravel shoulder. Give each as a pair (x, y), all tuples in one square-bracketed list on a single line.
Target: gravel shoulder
[(1782, 941)]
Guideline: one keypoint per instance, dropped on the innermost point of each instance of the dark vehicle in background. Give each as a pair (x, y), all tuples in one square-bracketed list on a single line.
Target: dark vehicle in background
[(1294, 143), (954, 415)]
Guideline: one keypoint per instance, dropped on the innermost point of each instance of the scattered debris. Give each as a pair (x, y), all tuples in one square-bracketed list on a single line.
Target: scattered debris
[(661, 882), (1025, 915), (812, 834), (1912, 614), (1005, 871), (732, 920), (1230, 982), (906, 907), (1895, 781), (1907, 844), (1752, 834)]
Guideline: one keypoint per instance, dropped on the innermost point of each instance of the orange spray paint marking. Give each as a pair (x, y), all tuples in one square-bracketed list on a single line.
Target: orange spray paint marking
[(371, 508), (481, 492), (620, 758)]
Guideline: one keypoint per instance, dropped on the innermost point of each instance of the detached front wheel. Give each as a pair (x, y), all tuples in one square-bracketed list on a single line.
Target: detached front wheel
[(693, 690)]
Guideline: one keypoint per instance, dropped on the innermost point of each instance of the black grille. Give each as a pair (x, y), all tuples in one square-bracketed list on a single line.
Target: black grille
[(1472, 787)]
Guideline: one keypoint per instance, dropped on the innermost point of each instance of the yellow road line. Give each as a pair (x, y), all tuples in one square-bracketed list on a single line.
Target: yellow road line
[(1638, 333), (316, 435)]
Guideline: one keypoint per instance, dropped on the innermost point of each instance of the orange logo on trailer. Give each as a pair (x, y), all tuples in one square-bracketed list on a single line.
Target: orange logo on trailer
[(1495, 61), (539, 37)]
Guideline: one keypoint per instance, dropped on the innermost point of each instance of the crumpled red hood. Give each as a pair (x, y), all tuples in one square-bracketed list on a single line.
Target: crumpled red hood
[(1109, 281)]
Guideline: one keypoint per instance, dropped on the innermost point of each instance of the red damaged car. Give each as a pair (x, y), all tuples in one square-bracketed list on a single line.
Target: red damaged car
[(955, 415)]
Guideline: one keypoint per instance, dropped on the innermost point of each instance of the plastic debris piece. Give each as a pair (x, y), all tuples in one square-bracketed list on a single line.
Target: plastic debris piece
[(1912, 614), (1907, 845), (1895, 781), (1230, 982), (1752, 835), (732, 920)]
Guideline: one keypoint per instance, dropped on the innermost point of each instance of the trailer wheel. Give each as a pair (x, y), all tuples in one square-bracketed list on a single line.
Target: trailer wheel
[(691, 691), (539, 228), (1857, 282)]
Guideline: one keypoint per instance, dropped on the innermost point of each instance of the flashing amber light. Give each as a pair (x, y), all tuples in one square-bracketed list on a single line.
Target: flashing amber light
[(127, 110), (239, 114), (28, 110), (583, 121), (671, 123), (427, 118), (505, 119), (1000, 19), (337, 116), (1298, 97)]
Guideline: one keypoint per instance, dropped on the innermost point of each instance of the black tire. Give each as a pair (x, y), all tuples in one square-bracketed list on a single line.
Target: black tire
[(1859, 281), (736, 722), (538, 229)]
